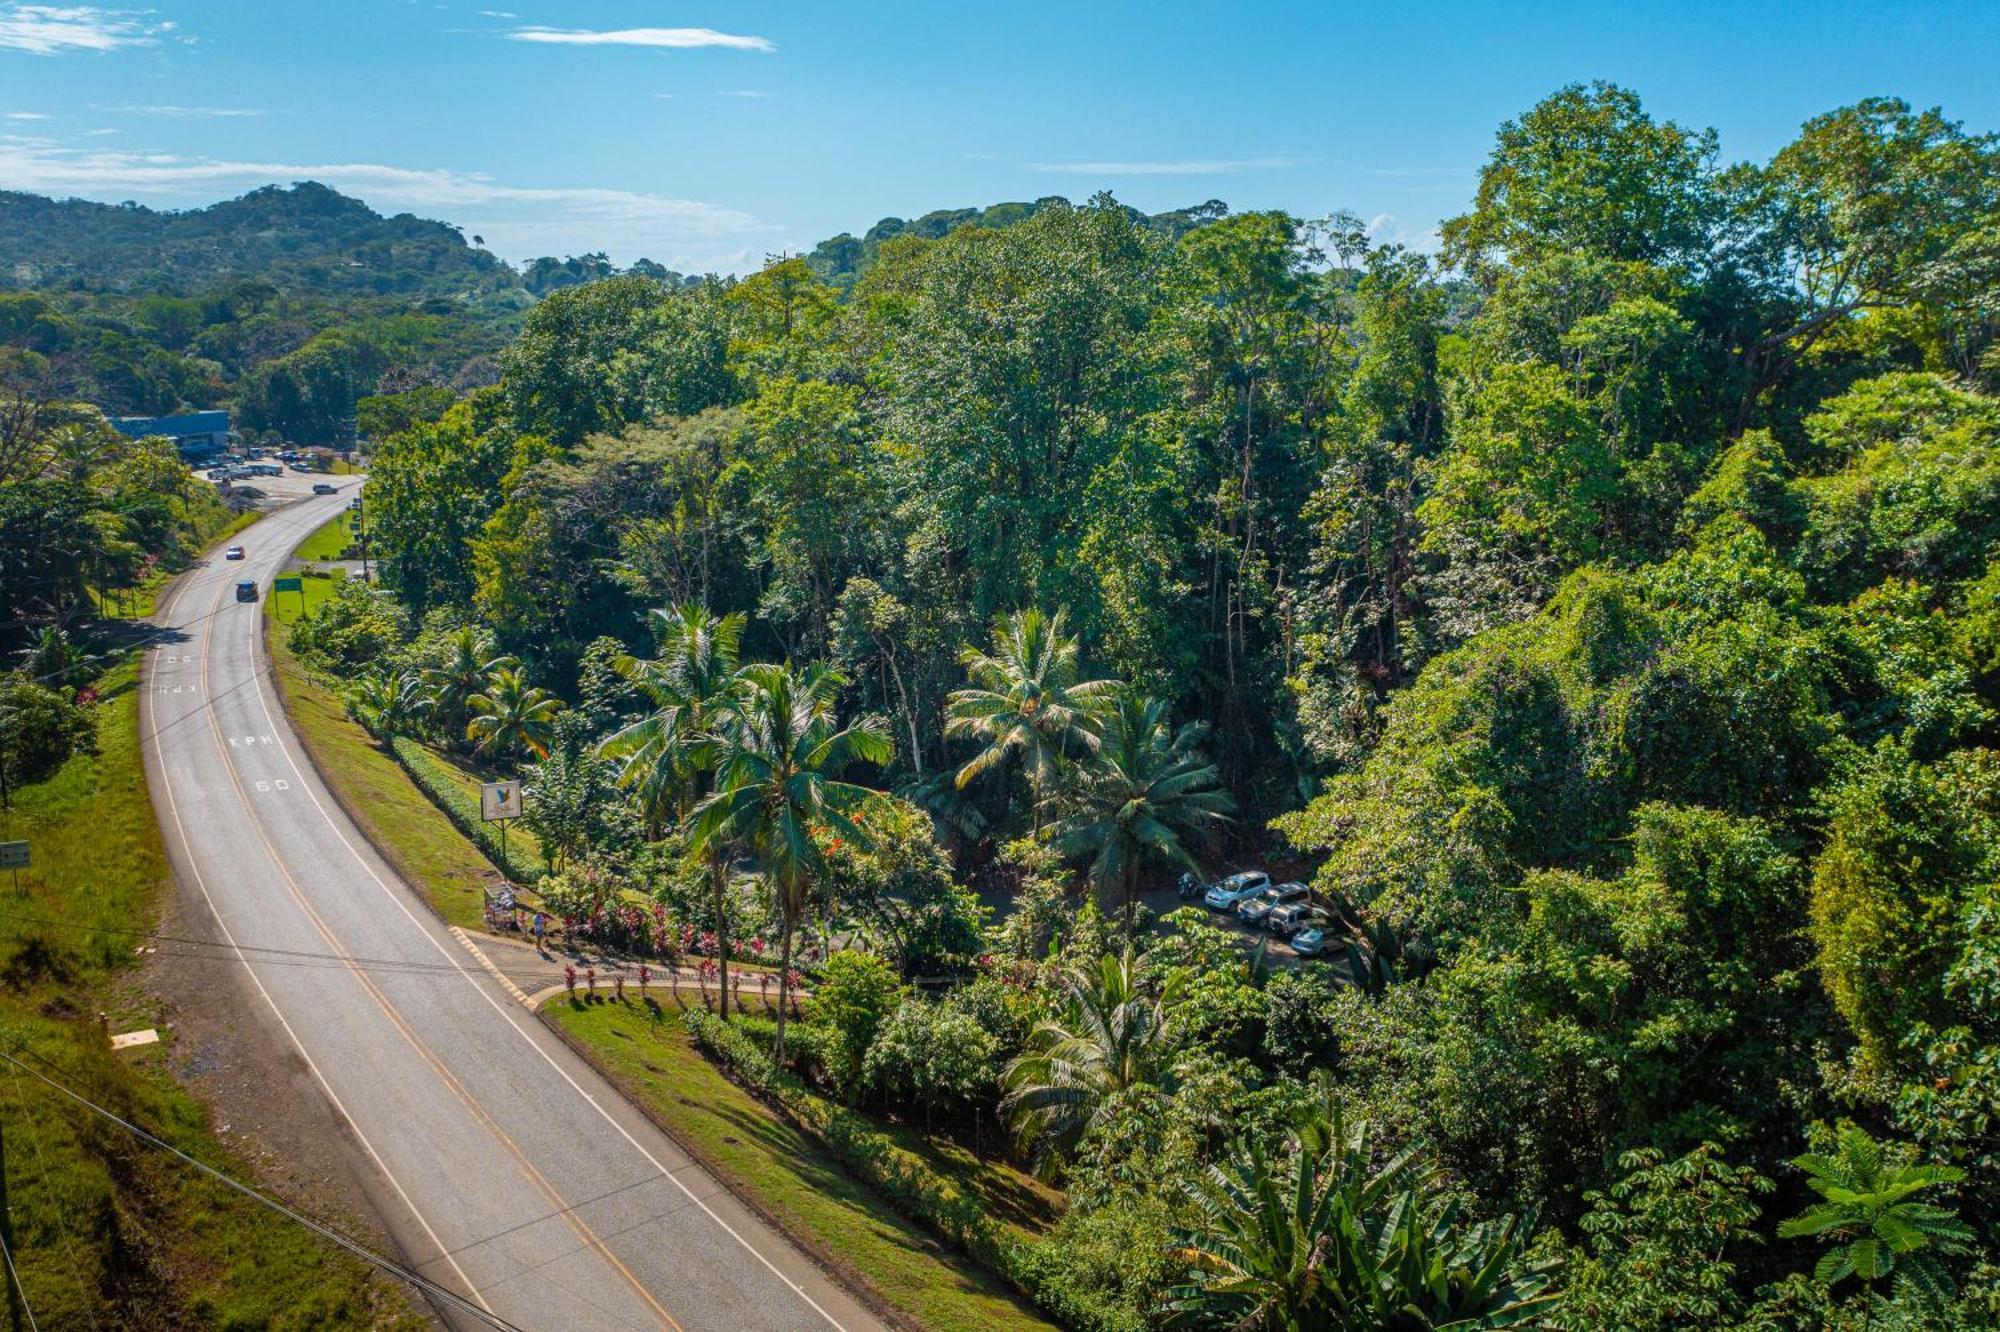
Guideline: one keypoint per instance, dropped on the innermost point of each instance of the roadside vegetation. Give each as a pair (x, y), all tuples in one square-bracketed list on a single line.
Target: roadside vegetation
[(1598, 607), (106, 1229), (1601, 611), (784, 1170), (420, 840)]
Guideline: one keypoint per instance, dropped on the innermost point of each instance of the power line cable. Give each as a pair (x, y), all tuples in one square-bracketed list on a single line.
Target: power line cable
[(440, 1293), (15, 1276)]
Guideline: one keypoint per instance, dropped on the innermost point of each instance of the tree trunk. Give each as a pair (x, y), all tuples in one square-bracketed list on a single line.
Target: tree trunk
[(718, 872), (784, 990)]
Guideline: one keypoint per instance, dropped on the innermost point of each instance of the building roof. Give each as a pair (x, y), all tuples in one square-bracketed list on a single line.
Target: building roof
[(193, 423)]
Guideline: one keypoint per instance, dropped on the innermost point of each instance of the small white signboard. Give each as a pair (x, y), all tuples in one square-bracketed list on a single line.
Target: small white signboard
[(499, 800)]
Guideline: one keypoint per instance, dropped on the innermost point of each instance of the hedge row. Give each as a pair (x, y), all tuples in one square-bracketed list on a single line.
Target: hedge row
[(440, 784), (1032, 1266)]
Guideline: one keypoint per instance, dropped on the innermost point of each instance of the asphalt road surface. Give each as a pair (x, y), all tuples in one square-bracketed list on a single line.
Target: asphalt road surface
[(507, 1170)]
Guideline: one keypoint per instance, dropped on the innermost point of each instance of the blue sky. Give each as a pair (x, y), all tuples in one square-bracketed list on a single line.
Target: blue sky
[(708, 135)]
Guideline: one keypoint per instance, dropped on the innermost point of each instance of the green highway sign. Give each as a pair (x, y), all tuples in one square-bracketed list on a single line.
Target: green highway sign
[(288, 585)]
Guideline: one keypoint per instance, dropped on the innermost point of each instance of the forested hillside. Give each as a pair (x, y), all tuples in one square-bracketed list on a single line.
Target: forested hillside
[(1603, 611), (1602, 603), (306, 237)]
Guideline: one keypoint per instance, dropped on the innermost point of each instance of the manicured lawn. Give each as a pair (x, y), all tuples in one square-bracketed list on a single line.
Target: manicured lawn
[(330, 542), (419, 840), (647, 1052), (109, 1232), (285, 607)]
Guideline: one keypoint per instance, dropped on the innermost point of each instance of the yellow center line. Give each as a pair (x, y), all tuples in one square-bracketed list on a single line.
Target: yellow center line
[(416, 1042)]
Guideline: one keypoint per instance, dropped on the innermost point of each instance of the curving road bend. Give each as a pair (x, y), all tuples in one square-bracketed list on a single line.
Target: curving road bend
[(506, 1168)]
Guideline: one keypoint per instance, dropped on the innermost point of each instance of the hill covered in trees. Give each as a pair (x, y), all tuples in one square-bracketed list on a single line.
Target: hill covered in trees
[(1605, 606), (292, 305), (1606, 609)]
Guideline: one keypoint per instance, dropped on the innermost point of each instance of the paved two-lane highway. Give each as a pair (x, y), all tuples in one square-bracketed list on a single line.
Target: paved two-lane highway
[(511, 1173)]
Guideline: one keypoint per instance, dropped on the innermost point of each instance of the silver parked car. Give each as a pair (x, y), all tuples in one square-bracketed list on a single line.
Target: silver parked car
[(1257, 909), (1225, 894), (1291, 917), (1312, 939)]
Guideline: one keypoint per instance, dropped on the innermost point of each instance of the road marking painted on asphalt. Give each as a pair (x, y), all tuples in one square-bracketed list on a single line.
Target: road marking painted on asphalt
[(443, 1072), (187, 848), (479, 955), (285, 746)]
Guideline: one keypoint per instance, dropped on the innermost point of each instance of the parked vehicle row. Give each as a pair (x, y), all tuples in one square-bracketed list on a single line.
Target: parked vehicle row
[(1283, 909)]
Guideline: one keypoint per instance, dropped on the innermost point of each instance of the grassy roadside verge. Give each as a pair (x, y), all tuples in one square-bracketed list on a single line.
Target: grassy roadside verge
[(330, 542), (139, 603), (419, 841), (110, 1232), (648, 1054)]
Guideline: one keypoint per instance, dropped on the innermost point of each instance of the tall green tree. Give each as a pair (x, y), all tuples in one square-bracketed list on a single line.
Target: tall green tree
[(690, 688), (1025, 701), (778, 759), (1109, 1041), (511, 717), (469, 665), (1143, 795)]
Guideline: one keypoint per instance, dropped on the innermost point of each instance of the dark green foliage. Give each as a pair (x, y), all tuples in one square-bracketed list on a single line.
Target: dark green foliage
[(40, 727)]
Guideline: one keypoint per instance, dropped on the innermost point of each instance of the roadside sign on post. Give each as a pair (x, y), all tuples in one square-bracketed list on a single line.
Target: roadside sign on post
[(13, 855), (499, 800), (292, 584)]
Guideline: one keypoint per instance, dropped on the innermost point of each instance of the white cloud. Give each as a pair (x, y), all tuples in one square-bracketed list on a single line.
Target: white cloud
[(191, 112), (57, 29), (518, 221), (663, 97), (679, 39), (27, 115), (1190, 167), (498, 13), (99, 133), (744, 92)]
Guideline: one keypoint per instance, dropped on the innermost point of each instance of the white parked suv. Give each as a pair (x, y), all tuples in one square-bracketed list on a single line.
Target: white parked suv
[(1224, 895)]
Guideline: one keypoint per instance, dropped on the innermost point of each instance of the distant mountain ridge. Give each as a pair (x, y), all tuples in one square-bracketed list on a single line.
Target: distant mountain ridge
[(312, 238), (308, 235)]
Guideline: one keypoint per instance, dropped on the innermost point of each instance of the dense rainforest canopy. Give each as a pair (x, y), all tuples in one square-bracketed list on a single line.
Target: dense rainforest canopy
[(1602, 609)]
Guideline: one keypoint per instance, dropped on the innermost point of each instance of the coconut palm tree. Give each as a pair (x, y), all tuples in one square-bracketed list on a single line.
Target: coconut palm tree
[(470, 662), (1871, 1210), (512, 716), (1111, 1040), (689, 685), (661, 757), (1142, 795), (1025, 701), (387, 703), (778, 758), (1326, 1239)]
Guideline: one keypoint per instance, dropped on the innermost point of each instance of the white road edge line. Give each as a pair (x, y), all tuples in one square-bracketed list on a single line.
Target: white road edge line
[(194, 867), (305, 784)]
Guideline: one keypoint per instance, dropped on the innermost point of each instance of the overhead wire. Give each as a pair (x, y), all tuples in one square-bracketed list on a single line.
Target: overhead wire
[(431, 1289)]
